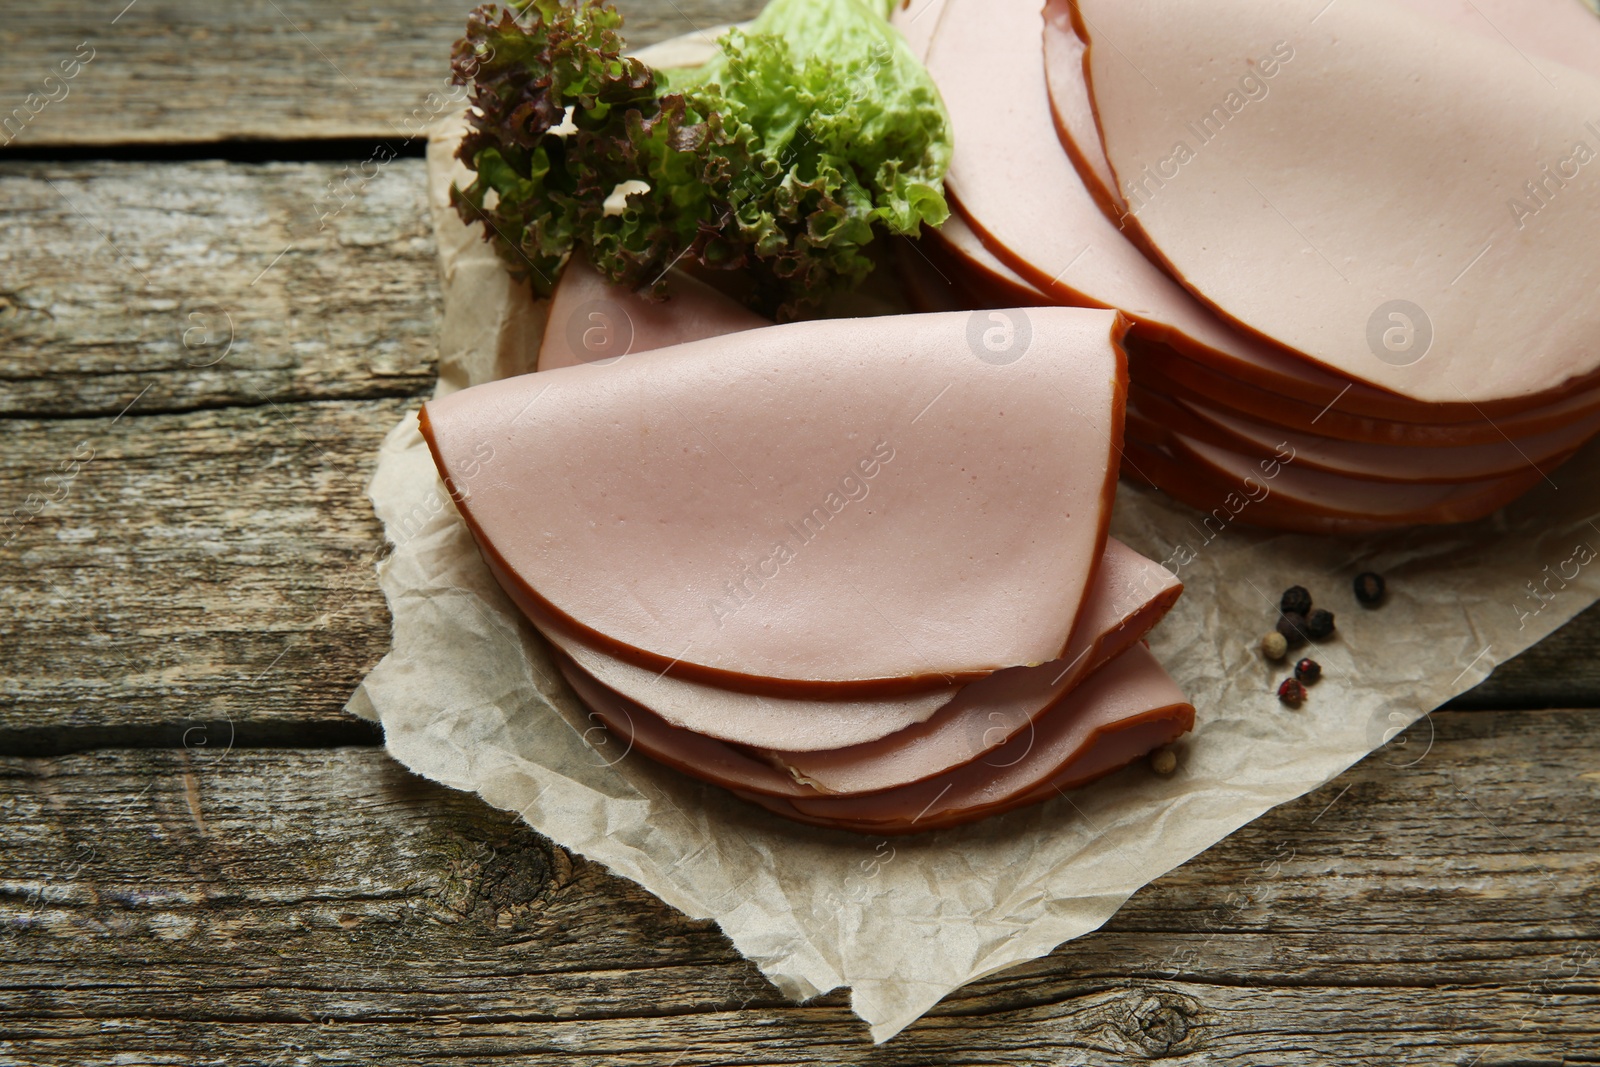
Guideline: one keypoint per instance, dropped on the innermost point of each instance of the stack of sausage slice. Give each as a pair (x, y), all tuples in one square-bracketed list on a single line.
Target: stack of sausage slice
[(1357, 241), (856, 571)]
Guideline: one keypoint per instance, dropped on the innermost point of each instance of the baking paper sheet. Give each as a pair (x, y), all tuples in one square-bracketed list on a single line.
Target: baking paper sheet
[(470, 697)]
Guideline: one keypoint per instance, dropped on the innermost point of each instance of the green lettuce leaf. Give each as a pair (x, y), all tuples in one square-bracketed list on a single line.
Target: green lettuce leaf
[(806, 136)]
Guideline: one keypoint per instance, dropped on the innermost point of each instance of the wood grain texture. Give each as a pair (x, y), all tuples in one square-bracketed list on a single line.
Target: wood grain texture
[(195, 285), (176, 71), (207, 568), (215, 567), (220, 534), (199, 360), (325, 907)]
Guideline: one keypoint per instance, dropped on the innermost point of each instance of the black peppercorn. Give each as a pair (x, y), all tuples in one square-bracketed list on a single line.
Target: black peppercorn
[(1308, 671), (1319, 624), (1293, 627), (1296, 600), (1291, 693), (1369, 588)]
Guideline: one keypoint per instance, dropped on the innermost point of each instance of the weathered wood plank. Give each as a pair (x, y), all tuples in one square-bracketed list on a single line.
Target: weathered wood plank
[(193, 285), (173, 71), (210, 568), (1561, 671), (215, 567), (298, 907)]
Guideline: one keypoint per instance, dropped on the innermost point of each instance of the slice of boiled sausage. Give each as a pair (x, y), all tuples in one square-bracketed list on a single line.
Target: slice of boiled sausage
[(1399, 198), (754, 719), (634, 727), (996, 718), (1175, 376), (778, 510), (1389, 463), (1127, 708), (594, 321), (1129, 595), (1073, 110), (1022, 197)]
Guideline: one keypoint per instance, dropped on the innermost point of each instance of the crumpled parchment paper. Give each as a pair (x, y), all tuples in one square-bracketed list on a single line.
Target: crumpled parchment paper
[(469, 697)]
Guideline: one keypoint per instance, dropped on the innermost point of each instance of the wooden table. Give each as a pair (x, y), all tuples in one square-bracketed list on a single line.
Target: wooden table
[(210, 313)]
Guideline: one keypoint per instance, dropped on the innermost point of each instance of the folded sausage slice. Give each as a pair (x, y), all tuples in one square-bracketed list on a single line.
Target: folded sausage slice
[(593, 321), (858, 746), (996, 718), (1402, 200), (1376, 462), (1123, 711), (1128, 596), (635, 728), (755, 719), (1024, 200), (1175, 376), (775, 510)]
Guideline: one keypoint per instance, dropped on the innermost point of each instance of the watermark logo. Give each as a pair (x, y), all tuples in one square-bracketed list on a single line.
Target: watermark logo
[(53, 88), (208, 337), (999, 338), (1561, 574), (1001, 739), (603, 737), (1397, 738), (600, 332), (1400, 333)]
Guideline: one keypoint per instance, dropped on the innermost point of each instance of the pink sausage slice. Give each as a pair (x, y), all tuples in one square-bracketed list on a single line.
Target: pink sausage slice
[(758, 720), (1073, 110), (1022, 197), (1390, 463), (1274, 217), (1554, 29), (635, 728), (593, 321), (1127, 708), (1112, 749), (1131, 686), (852, 746), (1162, 369), (776, 510), (1543, 29), (996, 717), (1080, 136), (917, 21), (1230, 487), (984, 276), (1321, 491)]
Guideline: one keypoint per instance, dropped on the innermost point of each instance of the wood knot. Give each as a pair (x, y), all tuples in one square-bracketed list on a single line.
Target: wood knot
[(502, 883), (1162, 1023)]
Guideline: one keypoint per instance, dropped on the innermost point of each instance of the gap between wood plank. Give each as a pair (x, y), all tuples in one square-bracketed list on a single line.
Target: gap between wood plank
[(401, 390), (293, 150), (49, 742)]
